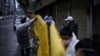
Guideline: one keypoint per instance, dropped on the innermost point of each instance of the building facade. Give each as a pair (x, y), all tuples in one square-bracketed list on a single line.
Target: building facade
[(7, 7), (1, 7)]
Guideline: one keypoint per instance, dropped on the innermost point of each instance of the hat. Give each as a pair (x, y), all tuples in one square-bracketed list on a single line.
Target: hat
[(69, 18)]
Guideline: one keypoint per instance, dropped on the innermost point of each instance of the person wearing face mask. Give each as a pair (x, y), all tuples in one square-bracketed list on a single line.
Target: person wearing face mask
[(69, 40)]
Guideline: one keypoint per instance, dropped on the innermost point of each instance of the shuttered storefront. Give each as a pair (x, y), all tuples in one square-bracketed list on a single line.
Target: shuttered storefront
[(79, 14), (59, 13), (78, 11)]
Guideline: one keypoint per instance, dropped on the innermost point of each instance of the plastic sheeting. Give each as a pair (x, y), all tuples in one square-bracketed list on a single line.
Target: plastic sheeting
[(55, 48), (40, 29)]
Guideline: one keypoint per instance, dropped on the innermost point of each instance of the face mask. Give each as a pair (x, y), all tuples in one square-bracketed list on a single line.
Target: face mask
[(66, 42)]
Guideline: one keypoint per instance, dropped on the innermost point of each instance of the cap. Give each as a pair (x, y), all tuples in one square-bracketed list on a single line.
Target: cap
[(69, 18)]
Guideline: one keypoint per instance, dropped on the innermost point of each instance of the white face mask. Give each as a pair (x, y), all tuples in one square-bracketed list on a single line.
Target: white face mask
[(66, 42)]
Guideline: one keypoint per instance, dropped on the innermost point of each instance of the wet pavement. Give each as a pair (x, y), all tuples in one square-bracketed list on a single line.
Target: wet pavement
[(8, 40)]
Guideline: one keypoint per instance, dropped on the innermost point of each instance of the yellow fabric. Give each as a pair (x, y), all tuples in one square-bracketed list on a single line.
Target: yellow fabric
[(57, 48), (41, 31)]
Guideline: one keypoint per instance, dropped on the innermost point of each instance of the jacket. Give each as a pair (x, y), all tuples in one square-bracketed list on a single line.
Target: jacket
[(74, 27), (71, 47), (23, 34)]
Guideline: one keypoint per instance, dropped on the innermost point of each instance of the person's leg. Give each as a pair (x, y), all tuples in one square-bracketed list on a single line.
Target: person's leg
[(28, 51), (22, 52)]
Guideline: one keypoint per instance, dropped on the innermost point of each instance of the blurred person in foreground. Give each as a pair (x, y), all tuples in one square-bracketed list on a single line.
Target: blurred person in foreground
[(85, 48), (69, 40)]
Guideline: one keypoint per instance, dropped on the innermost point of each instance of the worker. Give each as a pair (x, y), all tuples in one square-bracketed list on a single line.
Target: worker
[(72, 24), (23, 38), (69, 40)]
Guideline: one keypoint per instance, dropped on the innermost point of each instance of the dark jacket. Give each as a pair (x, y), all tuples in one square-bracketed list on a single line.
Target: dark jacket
[(74, 27)]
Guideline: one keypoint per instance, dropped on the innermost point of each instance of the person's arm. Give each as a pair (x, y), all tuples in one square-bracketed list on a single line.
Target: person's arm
[(30, 22), (26, 24)]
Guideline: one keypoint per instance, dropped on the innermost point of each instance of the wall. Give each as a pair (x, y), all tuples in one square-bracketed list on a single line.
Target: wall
[(96, 28)]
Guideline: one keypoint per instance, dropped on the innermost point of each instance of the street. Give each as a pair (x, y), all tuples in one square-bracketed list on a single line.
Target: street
[(8, 40)]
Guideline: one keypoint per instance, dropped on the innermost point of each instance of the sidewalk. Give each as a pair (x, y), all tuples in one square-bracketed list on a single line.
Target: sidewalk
[(8, 40)]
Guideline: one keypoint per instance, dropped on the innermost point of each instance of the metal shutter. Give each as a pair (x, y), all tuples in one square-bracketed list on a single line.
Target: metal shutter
[(61, 13), (79, 14)]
